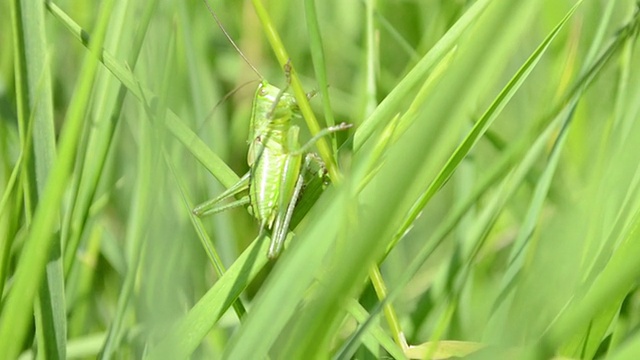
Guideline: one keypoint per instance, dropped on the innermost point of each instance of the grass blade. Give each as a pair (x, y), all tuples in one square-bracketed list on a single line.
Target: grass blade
[(17, 308)]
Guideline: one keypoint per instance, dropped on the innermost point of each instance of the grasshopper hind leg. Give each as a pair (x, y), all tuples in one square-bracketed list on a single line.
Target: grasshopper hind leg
[(213, 206), (283, 220), (281, 226)]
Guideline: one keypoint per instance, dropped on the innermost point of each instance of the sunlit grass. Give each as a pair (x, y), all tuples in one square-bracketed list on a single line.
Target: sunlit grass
[(485, 203)]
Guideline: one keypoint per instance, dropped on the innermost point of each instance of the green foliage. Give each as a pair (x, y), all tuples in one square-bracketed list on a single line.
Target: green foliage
[(485, 202)]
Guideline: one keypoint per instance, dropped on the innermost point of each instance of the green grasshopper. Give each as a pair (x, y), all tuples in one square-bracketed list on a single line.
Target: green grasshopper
[(278, 164)]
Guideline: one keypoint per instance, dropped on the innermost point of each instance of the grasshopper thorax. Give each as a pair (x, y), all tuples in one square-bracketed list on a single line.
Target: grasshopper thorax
[(273, 105)]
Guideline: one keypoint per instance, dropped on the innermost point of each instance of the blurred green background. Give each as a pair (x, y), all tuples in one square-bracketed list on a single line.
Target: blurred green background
[(488, 188)]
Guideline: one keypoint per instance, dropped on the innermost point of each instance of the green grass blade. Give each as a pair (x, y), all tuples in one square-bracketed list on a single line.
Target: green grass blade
[(188, 332), (523, 169), (371, 59), (320, 67), (390, 104), (11, 204), (32, 49), (17, 308), (101, 141), (211, 251), (293, 273), (628, 350), (39, 89), (176, 126), (481, 126), (138, 234), (614, 282), (490, 114), (283, 58), (360, 314)]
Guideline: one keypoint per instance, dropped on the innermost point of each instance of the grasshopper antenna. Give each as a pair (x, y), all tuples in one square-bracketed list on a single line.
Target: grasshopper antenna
[(224, 98), (206, 3)]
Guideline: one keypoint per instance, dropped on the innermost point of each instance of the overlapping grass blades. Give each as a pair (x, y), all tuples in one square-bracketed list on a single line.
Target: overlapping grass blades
[(486, 202)]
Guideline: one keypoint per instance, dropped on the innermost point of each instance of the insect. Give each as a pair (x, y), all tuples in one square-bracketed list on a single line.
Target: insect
[(278, 163)]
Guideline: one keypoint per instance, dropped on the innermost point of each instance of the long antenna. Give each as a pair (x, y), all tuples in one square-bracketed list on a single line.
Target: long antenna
[(224, 98), (206, 3)]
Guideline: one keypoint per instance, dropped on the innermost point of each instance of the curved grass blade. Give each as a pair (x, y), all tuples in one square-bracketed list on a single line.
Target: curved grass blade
[(481, 126), (390, 104), (29, 274), (210, 160), (301, 97), (187, 334), (93, 168), (455, 159), (141, 203), (32, 61)]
